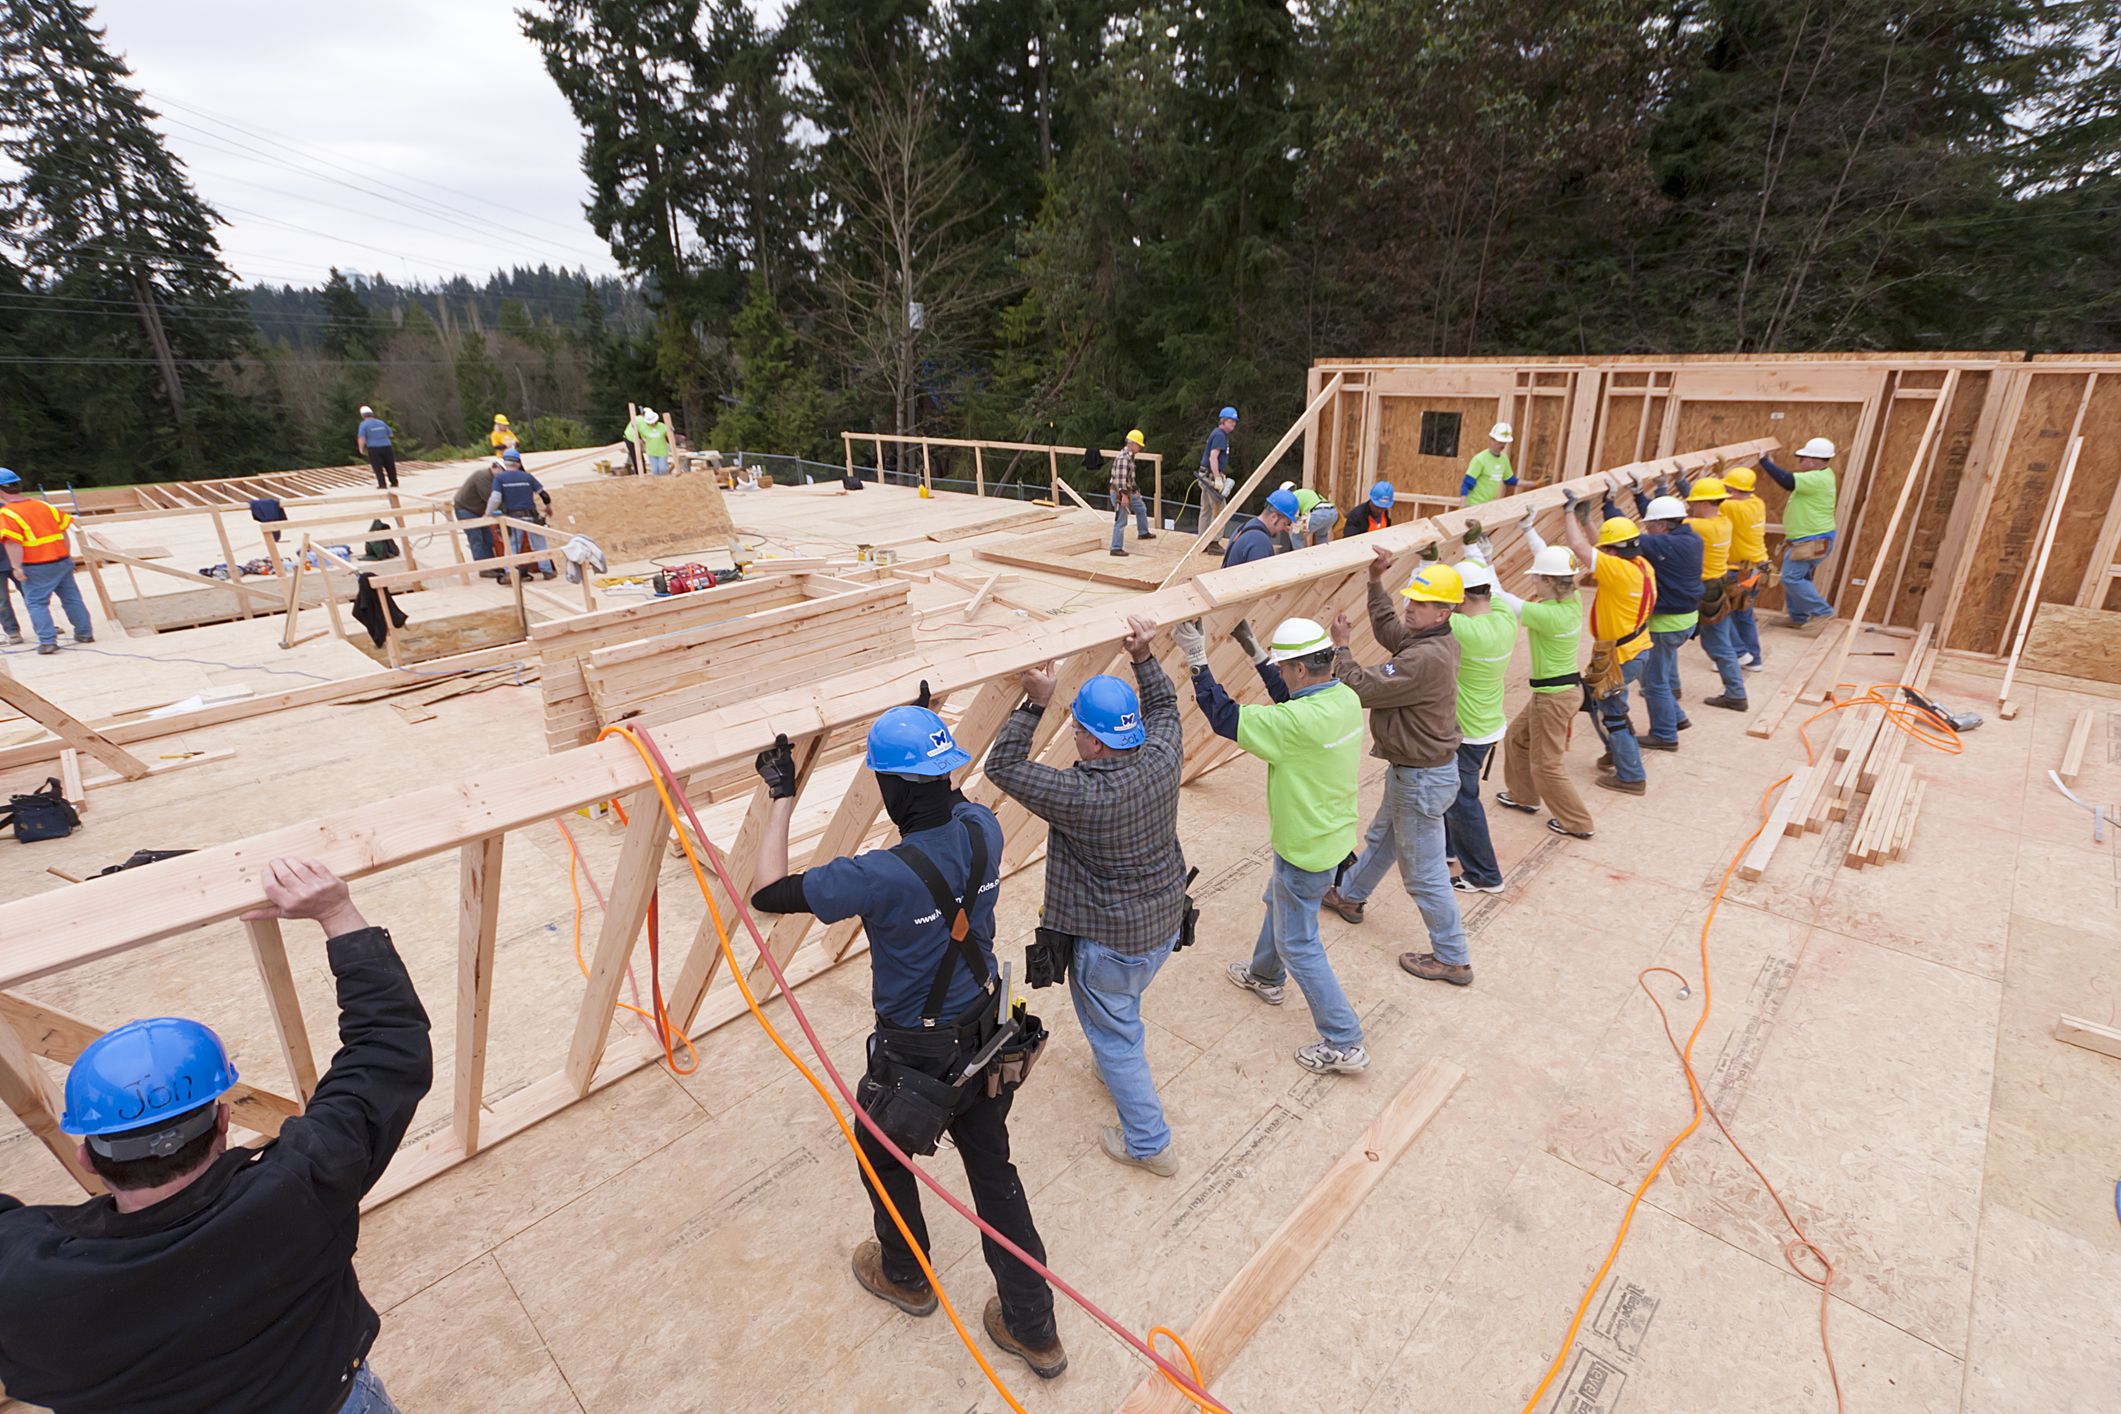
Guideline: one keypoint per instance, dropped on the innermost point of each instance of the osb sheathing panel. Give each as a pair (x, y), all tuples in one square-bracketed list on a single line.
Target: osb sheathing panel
[(2009, 532), (2091, 493), (1932, 507), (1399, 458), (1922, 525), (1623, 419), (1542, 440)]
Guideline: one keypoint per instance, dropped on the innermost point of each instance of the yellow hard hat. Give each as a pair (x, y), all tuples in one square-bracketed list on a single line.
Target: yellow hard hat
[(500, 419), (1738, 478), (1708, 488), (1136, 438), (1617, 529), (1436, 584)]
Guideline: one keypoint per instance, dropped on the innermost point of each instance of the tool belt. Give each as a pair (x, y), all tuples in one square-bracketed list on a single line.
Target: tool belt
[(1603, 676), (1718, 598), (1051, 955), (1816, 547), (1560, 680)]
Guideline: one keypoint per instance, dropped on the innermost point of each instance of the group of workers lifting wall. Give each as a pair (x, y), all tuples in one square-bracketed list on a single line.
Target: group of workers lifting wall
[(211, 1278)]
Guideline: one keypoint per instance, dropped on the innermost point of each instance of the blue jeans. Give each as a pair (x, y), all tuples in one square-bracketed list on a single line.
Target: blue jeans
[(8, 622), (367, 1396), (1289, 946), (479, 537), (1107, 988), (1409, 829), (1720, 641), (1745, 632), (1660, 682), (523, 542), (1465, 824), (1119, 519), (659, 466), (45, 580), (1798, 596), (1614, 728)]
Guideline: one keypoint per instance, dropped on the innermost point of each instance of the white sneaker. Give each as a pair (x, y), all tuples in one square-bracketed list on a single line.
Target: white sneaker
[(1466, 886), (1752, 665), (1241, 975), (1163, 1163), (1323, 1057)]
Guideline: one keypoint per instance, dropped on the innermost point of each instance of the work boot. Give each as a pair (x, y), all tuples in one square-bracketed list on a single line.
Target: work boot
[(1117, 551), (1684, 724), (47, 648), (1163, 1163), (1650, 743), (1348, 909), (1605, 762), (869, 1271), (1046, 1361), (1216, 547), (1510, 802), (84, 638), (1724, 699), (1241, 976), (1430, 968), (1322, 1057), (1609, 781), (14, 638), (1146, 535)]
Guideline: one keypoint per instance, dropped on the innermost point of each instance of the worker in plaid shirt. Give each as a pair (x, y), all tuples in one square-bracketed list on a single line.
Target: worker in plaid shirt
[(1126, 493), (1115, 876)]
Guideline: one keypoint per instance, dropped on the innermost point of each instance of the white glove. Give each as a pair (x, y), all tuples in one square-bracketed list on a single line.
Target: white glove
[(1193, 642), (1248, 641)]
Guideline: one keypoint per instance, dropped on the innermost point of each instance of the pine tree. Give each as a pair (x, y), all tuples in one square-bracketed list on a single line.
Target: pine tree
[(481, 390), (780, 406)]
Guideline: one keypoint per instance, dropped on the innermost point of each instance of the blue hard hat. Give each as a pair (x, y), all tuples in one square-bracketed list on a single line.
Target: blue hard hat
[(1230, 413), (1381, 495), (1283, 503), (512, 455), (8, 477), (913, 741), (142, 1073), (1109, 710)]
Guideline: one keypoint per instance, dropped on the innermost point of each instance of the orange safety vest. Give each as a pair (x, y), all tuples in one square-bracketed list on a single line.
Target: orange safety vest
[(39, 526)]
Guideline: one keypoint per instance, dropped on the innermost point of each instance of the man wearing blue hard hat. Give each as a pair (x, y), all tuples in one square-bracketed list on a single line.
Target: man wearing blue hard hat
[(948, 1050), (1115, 907), (38, 558), (212, 1277), (1214, 478), (1375, 513), (1255, 539)]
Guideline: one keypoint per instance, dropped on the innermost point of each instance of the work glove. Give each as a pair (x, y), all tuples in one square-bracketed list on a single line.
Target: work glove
[(776, 767), (1248, 641), (1428, 554), (1474, 531), (921, 700), (1192, 640)]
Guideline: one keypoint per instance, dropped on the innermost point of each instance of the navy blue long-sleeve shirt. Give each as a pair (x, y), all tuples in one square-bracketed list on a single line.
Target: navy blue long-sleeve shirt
[(1787, 480), (1252, 542), (1220, 708)]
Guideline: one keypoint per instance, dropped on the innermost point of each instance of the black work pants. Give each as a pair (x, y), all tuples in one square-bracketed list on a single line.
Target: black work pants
[(981, 1135), (384, 463)]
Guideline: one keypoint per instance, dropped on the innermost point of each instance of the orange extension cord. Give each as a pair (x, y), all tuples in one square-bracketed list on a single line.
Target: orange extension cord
[(660, 776), (1929, 729)]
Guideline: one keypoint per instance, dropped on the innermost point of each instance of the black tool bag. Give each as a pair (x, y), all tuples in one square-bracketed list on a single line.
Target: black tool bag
[(43, 814), (1048, 958)]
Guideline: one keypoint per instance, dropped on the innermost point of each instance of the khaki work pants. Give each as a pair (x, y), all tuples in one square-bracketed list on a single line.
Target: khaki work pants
[(1532, 767)]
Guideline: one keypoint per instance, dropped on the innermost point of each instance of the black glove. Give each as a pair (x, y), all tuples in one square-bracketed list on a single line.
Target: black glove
[(922, 700), (776, 767)]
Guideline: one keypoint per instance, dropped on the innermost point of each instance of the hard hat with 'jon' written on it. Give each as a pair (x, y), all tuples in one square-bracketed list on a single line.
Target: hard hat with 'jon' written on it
[(1554, 560), (1819, 447), (1109, 710), (1738, 478), (153, 1082), (1297, 638), (1475, 575), (1283, 503), (1436, 584), (1501, 432), (1618, 530), (1664, 508), (913, 741), (1708, 488)]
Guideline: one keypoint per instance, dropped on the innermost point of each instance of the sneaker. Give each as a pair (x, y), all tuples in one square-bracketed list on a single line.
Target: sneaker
[(1271, 993), (869, 1271), (1466, 886), (1163, 1163), (1046, 1361), (1346, 908), (1609, 781), (1430, 968), (47, 648), (1752, 665), (1725, 700), (1325, 1058), (14, 638), (1558, 828), (1509, 802), (1650, 743)]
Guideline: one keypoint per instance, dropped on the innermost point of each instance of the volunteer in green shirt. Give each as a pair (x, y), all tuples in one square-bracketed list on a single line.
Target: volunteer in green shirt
[(1313, 525), (1533, 766), (651, 434), (1486, 629), (1310, 736), (1807, 529), (1489, 474)]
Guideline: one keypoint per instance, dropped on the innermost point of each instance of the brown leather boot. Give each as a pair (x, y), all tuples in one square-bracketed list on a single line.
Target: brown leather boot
[(1609, 781), (1428, 967), (869, 1271), (1346, 909), (1045, 1361)]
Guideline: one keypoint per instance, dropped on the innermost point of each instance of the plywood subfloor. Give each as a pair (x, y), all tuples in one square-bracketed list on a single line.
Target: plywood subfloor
[(1082, 552)]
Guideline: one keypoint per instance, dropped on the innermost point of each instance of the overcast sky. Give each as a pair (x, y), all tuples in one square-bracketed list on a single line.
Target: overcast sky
[(284, 110)]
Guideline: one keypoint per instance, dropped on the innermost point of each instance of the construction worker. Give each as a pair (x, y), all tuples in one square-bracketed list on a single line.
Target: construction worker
[(372, 437), (520, 496), (1532, 753), (927, 905), (1255, 539), (1375, 513), (1747, 514), (1674, 553), (1489, 474), (1126, 495), (10, 626), (470, 504), (1486, 629), (1807, 529), (1214, 478), (1620, 630), (1310, 736), (1314, 522), (212, 1277), (502, 437), (1704, 504), (651, 434), (1413, 702), (34, 534), (1115, 875)]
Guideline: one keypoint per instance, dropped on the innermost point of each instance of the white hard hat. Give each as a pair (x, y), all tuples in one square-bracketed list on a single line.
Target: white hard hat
[(1297, 638), (1288, 486), (1501, 432), (647, 414), (1554, 559), (1475, 575), (367, 411), (1818, 447), (1665, 508)]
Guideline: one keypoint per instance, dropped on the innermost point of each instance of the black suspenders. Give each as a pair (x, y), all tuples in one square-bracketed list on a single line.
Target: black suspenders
[(962, 948)]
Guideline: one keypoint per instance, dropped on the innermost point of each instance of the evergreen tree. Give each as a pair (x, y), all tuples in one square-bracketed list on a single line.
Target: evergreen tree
[(481, 390), (780, 406)]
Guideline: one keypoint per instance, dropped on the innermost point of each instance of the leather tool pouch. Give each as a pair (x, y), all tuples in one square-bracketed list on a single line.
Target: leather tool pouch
[(1815, 549), (912, 1106), (1602, 674), (1049, 957), (1011, 1065)]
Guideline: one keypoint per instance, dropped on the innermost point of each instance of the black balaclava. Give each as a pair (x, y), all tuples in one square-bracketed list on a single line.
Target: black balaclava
[(917, 802)]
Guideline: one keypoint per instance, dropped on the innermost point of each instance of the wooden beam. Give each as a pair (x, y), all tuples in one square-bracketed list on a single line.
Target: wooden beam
[(2089, 1034), (35, 1100), (2080, 735), (70, 729), (1756, 858), (1785, 696), (2031, 602), (269, 950), (1262, 1284), (478, 922), (625, 911)]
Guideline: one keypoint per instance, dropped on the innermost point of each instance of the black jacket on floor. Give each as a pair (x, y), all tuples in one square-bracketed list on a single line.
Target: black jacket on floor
[(238, 1293)]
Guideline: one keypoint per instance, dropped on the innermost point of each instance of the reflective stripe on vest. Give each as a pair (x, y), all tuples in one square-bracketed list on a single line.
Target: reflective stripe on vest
[(40, 527)]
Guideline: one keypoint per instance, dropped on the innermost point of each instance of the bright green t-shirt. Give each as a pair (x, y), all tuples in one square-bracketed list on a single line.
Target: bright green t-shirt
[(1489, 470), (654, 437), (1554, 628), (1484, 644), (1312, 745), (1306, 501), (1810, 510), (1672, 623)]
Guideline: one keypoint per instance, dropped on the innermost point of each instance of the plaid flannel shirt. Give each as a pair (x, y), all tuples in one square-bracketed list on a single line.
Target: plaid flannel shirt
[(1114, 869), (1123, 477)]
